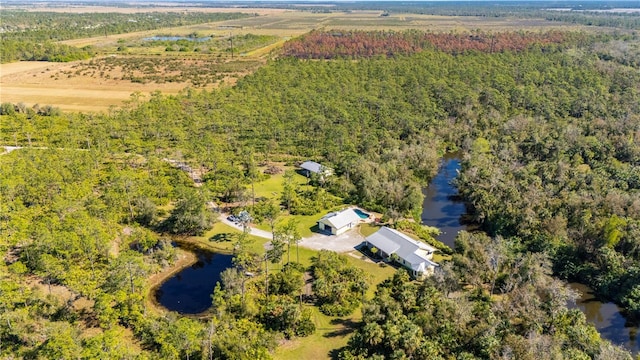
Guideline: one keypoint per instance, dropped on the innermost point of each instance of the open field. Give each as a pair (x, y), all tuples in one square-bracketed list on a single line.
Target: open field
[(141, 8), (34, 83), (64, 85)]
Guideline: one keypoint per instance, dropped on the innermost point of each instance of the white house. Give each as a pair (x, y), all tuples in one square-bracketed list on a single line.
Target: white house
[(339, 222), (412, 254), (310, 167)]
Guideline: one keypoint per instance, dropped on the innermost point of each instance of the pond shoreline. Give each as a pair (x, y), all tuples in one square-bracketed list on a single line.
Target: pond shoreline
[(186, 287), (186, 258), (186, 249)]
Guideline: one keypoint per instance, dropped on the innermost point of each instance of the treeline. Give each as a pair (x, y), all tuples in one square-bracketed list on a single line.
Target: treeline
[(366, 44), (20, 108), (25, 50), (48, 26), (612, 20), (33, 36)]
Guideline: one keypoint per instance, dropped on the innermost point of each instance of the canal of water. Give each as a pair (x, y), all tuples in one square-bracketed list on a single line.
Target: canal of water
[(606, 317), (444, 209)]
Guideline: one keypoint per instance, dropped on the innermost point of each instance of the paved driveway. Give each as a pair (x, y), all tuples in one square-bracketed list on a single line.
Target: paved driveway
[(339, 243), (252, 230)]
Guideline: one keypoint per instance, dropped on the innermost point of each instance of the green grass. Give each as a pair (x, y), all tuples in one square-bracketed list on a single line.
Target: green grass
[(331, 334), (438, 257), (272, 187), (305, 223), (222, 237), (368, 229)]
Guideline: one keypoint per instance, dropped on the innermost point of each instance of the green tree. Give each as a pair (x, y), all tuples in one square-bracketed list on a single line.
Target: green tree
[(190, 215)]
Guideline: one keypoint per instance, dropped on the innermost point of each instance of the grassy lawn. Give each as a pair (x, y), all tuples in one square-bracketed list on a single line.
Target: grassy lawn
[(222, 237), (368, 229), (305, 223), (331, 335), (438, 257), (272, 187)]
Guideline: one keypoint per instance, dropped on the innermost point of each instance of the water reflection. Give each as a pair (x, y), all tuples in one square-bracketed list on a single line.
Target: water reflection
[(442, 206), (606, 317), (189, 291)]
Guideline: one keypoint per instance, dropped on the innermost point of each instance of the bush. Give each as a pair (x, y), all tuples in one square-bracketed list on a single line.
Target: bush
[(425, 233)]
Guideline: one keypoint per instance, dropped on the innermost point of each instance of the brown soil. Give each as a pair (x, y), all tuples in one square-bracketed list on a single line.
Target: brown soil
[(41, 83)]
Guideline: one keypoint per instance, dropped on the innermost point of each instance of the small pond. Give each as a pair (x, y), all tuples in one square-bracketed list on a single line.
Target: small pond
[(189, 291), (606, 317), (176, 38), (442, 206)]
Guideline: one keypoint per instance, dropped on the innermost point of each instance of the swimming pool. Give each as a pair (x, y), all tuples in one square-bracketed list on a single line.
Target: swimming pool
[(362, 214)]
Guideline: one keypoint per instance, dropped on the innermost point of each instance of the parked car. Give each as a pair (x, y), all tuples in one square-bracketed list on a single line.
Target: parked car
[(233, 218)]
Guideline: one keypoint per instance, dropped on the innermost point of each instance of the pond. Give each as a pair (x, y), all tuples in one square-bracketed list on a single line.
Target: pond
[(176, 38), (442, 207), (606, 317), (189, 291)]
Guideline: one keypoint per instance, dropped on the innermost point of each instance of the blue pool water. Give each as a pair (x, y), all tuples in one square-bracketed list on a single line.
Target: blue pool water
[(361, 213)]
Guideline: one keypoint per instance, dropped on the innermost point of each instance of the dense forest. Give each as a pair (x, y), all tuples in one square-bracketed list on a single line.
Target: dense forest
[(551, 168), (363, 44)]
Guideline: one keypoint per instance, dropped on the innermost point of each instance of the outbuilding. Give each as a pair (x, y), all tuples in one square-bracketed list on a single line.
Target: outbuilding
[(338, 222), (312, 167)]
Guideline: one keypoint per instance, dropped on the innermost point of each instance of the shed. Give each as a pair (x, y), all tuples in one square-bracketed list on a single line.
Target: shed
[(312, 167), (338, 222)]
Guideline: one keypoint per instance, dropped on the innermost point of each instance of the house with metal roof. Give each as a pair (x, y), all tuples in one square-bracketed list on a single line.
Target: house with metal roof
[(338, 222), (412, 254), (312, 167)]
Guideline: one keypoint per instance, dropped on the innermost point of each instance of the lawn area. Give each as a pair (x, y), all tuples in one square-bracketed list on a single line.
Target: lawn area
[(368, 229), (221, 238), (272, 187), (439, 257), (331, 335), (305, 223)]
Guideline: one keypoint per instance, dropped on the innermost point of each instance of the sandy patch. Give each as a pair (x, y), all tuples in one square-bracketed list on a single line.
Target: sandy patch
[(57, 84)]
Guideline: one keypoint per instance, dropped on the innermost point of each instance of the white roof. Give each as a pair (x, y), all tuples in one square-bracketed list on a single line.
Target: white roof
[(391, 241), (311, 166), (341, 219)]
